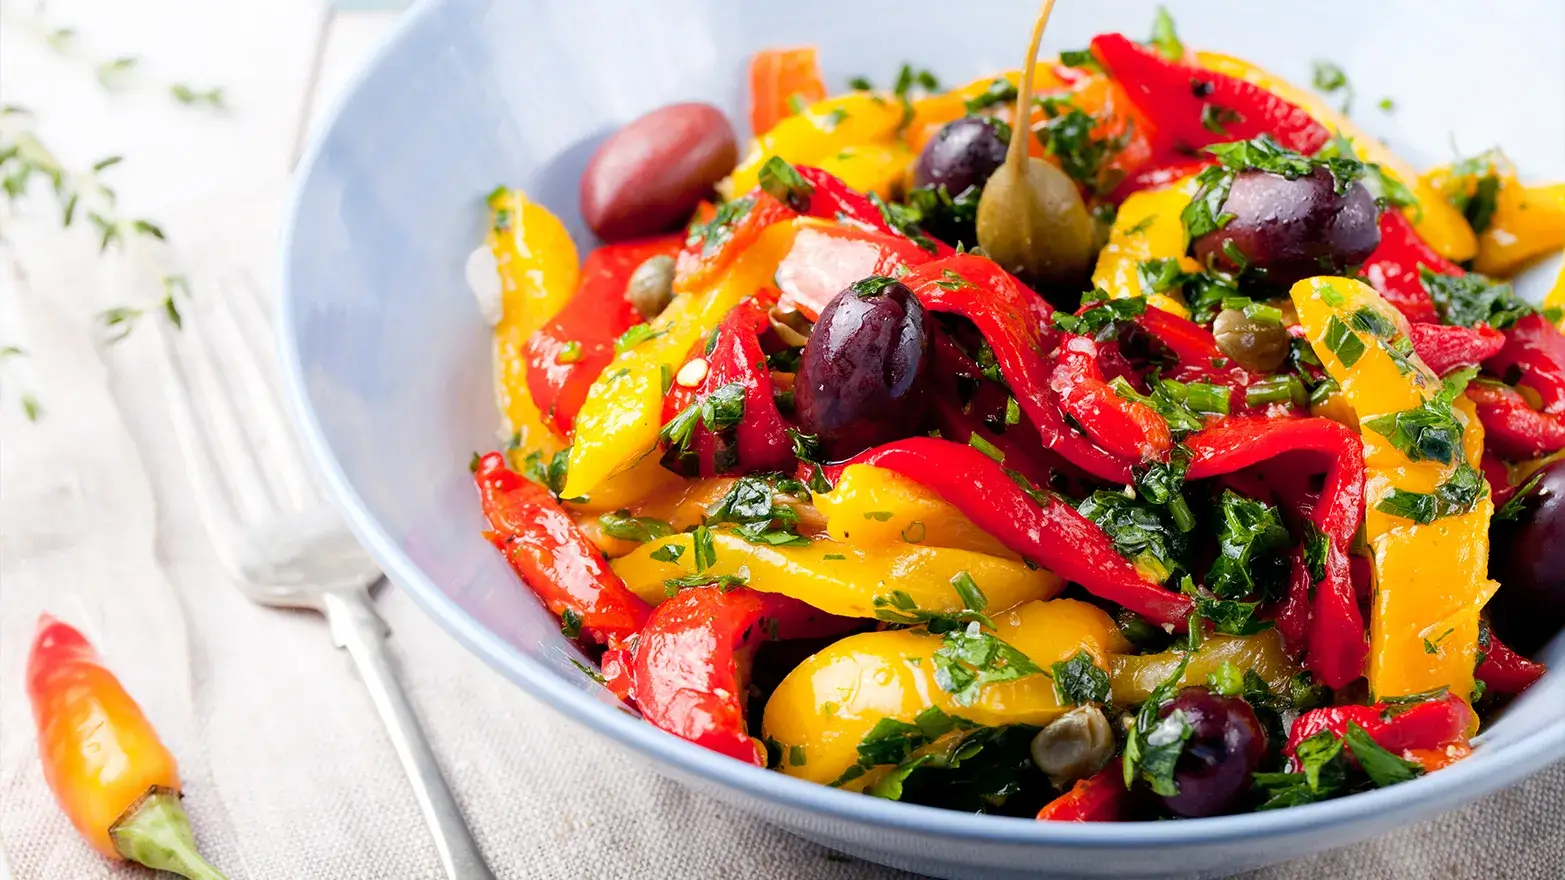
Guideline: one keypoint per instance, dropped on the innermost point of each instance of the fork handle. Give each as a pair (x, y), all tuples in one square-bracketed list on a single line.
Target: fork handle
[(356, 627)]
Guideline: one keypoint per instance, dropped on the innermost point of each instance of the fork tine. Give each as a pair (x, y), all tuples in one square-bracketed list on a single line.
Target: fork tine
[(235, 459), (239, 324), (214, 501)]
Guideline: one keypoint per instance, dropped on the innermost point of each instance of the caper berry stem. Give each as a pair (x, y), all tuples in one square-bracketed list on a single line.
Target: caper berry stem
[(1021, 128)]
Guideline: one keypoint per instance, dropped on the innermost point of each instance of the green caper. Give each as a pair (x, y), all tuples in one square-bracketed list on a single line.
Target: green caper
[(651, 286), (1074, 745), (1257, 344), (1031, 218)]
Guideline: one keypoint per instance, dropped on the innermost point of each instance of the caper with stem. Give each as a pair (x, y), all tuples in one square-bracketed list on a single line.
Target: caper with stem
[(1031, 218)]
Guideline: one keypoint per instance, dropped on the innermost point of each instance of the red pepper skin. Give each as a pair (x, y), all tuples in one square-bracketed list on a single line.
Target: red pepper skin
[(1157, 177), (1173, 95), (1017, 325), (1018, 443), (593, 319), (1124, 427), (835, 200), (1534, 356), (1052, 534), (688, 668), (1498, 476), (1393, 268), (1432, 724), (702, 259), (1337, 645), (1192, 344), (825, 260), (1101, 797), (553, 557), (1513, 430), (1503, 671), (1444, 348), (760, 441)]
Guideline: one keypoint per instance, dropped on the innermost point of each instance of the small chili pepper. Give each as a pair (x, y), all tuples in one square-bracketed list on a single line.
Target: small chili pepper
[(1444, 348), (1337, 645), (1393, 268), (1124, 427), (826, 259), (112, 776), (1514, 430), (1100, 797), (1015, 322), (553, 557), (1045, 530), (1503, 671), (1433, 724), (757, 437), (1534, 357), (779, 78), (566, 355), (691, 662), (1190, 107)]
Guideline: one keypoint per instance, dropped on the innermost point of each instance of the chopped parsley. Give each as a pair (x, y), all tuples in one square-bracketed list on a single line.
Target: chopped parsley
[(900, 608), (635, 336), (1164, 39), (668, 553), (570, 353), (1471, 299), (1481, 175), (1067, 135), (640, 529), (718, 411), (1330, 79), (1430, 431), (968, 659), (548, 474), (1251, 556), (1454, 497), (748, 505), (1102, 315), (1342, 342), (1000, 91), (1143, 533), (784, 183), (716, 232), (1153, 759), (1079, 680), (570, 624)]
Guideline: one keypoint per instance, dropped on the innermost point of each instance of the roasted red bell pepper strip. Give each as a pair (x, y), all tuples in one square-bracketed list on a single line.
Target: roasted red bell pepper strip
[(825, 260), (566, 355), (831, 199), (1393, 268), (1445, 347), (554, 557), (1337, 642), (1100, 797), (1534, 356), (1016, 324), (1190, 107), (690, 665), (1157, 176), (713, 244), (759, 440), (110, 773), (1514, 430), (1503, 671), (1189, 342), (1037, 526), (1430, 725), (1124, 427)]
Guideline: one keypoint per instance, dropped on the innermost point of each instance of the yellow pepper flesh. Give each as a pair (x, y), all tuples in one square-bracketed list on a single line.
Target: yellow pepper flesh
[(830, 702), (1527, 221), (875, 507), (841, 578), (1556, 298), (1431, 580), (1135, 675), (538, 273), (1149, 226), (1439, 224), (858, 122), (619, 422)]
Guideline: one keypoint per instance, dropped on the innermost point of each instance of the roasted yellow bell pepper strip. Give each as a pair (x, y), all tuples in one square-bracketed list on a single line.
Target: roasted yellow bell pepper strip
[(1521, 222), (1431, 579), (843, 579), (619, 422), (932, 112), (858, 121), (1135, 675), (538, 273), (1148, 227), (875, 507), (829, 703), (1442, 226), (1556, 298)]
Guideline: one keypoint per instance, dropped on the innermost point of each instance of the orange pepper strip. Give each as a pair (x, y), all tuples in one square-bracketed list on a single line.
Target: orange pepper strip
[(776, 75), (111, 775)]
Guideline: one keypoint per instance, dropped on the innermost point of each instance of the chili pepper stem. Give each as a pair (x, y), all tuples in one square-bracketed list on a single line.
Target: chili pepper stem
[(156, 832)]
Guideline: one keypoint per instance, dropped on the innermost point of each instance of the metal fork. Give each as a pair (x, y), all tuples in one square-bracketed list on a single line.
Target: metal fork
[(274, 532)]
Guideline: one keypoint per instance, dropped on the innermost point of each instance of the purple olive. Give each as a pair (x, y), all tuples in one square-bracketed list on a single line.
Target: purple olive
[(1292, 229), (859, 382), (1226, 745), (962, 154), (1527, 557)]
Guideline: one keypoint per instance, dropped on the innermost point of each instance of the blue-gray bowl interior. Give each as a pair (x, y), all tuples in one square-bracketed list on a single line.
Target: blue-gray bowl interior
[(389, 361)]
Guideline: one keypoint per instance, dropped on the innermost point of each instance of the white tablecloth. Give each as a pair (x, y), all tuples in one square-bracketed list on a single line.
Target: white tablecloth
[(286, 767)]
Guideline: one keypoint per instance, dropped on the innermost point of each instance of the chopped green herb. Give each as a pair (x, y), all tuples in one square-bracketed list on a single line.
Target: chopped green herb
[(968, 659), (784, 183), (1430, 431), (984, 446), (668, 553), (1252, 549), (640, 529), (1342, 342), (1141, 532), (570, 353), (1000, 91), (570, 624), (636, 335), (1454, 497), (1164, 39), (588, 671), (1330, 79), (1472, 299), (550, 475), (1079, 680)]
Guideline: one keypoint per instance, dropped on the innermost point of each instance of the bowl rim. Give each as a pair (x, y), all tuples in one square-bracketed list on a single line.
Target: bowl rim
[(1449, 788)]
